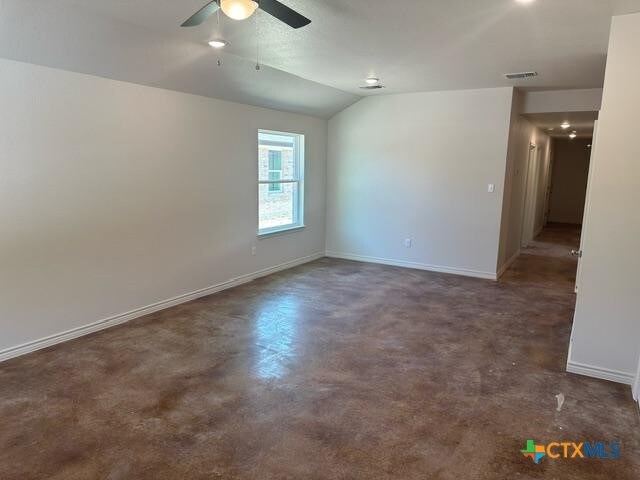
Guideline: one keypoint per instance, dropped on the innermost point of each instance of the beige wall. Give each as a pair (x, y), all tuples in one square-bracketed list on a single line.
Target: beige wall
[(606, 332), (546, 153), (115, 196), (417, 166), (569, 180), (522, 176)]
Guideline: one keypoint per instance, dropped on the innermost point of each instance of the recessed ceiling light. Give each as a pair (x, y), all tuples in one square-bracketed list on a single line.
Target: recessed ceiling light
[(525, 1), (566, 125), (372, 81), (218, 43), (572, 136)]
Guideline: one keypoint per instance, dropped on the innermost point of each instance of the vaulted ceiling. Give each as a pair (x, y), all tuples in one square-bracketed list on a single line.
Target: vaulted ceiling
[(412, 45)]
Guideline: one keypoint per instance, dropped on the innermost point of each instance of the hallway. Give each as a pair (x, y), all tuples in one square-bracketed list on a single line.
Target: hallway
[(547, 261), (331, 370)]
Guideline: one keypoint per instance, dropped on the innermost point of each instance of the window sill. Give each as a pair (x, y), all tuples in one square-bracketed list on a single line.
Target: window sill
[(280, 231)]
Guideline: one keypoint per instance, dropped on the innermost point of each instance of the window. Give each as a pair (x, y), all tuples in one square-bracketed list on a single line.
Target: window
[(280, 181)]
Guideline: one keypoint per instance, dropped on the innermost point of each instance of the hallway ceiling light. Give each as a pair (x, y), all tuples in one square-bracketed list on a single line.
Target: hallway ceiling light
[(572, 136), (566, 125), (524, 2), (372, 81)]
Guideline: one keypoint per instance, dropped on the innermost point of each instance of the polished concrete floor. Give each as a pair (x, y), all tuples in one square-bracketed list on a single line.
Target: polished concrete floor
[(333, 370)]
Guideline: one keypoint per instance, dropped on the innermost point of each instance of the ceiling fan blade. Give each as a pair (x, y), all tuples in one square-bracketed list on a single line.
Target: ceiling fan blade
[(284, 13), (202, 14)]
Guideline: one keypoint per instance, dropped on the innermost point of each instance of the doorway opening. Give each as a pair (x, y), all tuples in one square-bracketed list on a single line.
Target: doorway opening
[(556, 186)]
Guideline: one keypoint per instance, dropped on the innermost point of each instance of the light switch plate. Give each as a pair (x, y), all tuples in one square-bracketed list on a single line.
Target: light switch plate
[(491, 188)]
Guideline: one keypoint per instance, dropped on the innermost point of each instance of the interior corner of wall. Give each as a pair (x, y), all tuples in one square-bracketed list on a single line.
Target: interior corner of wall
[(519, 97)]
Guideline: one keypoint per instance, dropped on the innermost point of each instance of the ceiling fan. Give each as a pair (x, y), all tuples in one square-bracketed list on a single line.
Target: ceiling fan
[(242, 9)]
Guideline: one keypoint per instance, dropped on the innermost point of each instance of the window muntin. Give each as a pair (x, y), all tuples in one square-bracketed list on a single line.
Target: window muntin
[(280, 181)]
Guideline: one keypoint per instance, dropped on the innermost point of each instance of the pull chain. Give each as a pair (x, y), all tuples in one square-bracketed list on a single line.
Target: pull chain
[(257, 44), (219, 62)]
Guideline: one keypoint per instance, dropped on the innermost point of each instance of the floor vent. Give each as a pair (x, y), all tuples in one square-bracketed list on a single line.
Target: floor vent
[(517, 76)]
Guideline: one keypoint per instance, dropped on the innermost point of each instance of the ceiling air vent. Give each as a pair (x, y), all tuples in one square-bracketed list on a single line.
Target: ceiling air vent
[(372, 87), (520, 75)]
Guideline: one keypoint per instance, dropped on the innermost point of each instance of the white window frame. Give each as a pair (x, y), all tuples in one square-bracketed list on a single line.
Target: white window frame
[(298, 178)]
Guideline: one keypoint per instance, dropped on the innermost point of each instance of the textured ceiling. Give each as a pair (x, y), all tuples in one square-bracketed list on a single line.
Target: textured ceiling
[(413, 45)]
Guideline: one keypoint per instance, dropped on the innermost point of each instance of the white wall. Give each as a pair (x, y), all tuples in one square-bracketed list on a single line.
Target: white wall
[(569, 180), (417, 166), (537, 178), (606, 326), (114, 196), (545, 158), (578, 100), (522, 135)]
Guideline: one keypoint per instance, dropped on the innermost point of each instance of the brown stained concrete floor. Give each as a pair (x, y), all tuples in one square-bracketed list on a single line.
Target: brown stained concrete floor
[(332, 370)]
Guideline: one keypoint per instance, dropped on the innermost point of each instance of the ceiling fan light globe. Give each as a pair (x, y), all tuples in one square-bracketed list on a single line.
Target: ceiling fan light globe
[(238, 9)]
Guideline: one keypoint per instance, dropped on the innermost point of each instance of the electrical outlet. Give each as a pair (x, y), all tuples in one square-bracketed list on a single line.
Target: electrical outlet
[(407, 242), (253, 250)]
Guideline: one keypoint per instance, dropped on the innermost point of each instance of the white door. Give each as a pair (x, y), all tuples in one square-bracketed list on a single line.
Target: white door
[(587, 203)]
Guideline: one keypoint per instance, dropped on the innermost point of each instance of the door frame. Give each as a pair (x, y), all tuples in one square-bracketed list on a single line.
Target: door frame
[(587, 203), (529, 196), (636, 385), (549, 184)]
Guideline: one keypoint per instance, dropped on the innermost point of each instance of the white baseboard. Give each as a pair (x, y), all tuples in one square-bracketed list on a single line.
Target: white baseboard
[(415, 265), (626, 378), (508, 263), (29, 347)]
